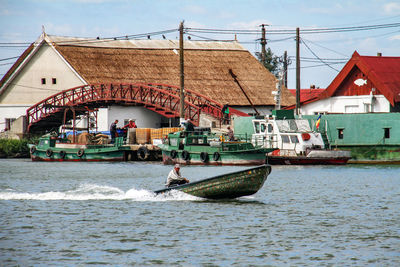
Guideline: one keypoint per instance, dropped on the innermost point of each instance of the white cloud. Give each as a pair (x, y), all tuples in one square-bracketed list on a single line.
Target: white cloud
[(251, 25), (392, 8), (65, 29), (395, 37), (368, 46), (194, 10), (194, 24), (92, 1), (336, 8)]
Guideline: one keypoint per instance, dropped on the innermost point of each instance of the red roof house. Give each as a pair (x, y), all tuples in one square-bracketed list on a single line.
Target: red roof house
[(365, 74), (308, 95)]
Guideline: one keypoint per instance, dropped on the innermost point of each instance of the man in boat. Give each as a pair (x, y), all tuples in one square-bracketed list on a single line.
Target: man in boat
[(113, 131), (131, 124), (130, 131), (231, 136), (175, 178), (225, 113)]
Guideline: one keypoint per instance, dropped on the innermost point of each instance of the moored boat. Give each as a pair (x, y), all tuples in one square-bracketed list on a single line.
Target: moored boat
[(296, 143), (53, 148), (204, 148), (232, 185)]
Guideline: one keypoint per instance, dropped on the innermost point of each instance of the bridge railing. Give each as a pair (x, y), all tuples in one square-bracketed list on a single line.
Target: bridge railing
[(158, 97)]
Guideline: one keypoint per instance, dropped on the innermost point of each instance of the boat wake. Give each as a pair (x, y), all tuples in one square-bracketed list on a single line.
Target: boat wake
[(97, 192)]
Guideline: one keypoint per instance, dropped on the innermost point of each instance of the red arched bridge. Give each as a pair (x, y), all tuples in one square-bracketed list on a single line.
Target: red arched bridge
[(163, 99)]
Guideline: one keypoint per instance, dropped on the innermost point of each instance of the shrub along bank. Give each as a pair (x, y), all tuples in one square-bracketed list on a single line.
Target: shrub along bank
[(12, 148)]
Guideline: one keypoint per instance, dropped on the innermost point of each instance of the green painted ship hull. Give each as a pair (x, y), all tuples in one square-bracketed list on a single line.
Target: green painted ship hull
[(372, 138), (49, 150), (215, 157), (205, 149), (226, 186)]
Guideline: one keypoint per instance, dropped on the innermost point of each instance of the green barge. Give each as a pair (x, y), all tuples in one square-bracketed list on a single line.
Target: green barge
[(372, 138), (201, 148), (53, 148)]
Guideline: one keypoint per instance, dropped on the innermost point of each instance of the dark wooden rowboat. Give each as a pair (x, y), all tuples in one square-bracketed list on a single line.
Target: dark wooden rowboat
[(231, 185)]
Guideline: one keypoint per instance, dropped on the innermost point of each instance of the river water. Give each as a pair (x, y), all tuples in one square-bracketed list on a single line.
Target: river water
[(67, 214)]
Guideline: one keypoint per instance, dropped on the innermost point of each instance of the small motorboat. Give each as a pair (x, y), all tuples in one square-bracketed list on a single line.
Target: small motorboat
[(232, 185)]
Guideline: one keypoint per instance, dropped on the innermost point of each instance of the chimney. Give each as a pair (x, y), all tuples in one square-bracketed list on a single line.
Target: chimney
[(379, 54)]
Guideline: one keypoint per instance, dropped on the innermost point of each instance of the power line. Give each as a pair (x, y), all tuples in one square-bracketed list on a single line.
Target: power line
[(314, 66), (4, 59), (325, 47), (7, 64), (312, 52), (38, 88), (292, 31)]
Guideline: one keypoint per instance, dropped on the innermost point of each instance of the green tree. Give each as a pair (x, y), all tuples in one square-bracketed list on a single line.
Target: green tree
[(272, 62)]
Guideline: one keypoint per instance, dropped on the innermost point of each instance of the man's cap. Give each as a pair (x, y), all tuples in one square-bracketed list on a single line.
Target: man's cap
[(132, 119), (177, 166)]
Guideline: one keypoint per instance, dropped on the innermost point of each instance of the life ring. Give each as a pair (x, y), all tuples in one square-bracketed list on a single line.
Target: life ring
[(62, 154), (174, 154), (185, 155), (216, 156), (49, 152), (204, 156), (80, 152), (33, 149), (143, 153)]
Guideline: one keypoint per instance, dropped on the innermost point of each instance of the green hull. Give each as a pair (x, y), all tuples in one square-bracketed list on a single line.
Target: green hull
[(89, 154), (247, 157), (49, 150), (232, 185), (374, 154), (206, 149), (372, 138)]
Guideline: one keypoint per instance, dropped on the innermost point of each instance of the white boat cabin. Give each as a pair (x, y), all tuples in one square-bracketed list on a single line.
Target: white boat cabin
[(292, 136)]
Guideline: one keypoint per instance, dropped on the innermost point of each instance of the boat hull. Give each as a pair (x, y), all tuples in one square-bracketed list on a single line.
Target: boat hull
[(313, 157), (74, 154), (302, 160), (248, 158), (227, 186)]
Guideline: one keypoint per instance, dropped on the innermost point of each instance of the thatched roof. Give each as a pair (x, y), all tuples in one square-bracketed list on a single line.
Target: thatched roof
[(207, 66)]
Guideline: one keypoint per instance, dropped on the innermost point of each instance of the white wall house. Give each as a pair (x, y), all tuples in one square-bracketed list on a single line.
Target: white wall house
[(366, 84), (347, 104)]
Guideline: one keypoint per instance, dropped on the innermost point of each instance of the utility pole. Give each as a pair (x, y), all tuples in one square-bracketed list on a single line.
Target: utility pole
[(297, 71), (277, 93), (263, 44), (285, 65), (182, 90)]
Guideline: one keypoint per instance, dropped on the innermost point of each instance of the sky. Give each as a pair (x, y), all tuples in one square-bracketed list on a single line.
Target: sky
[(323, 55)]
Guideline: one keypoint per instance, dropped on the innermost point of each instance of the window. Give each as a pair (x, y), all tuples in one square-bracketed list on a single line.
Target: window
[(43, 80), (294, 139), (257, 127), (270, 128), (387, 132), (263, 127), (340, 133), (285, 139), (54, 80)]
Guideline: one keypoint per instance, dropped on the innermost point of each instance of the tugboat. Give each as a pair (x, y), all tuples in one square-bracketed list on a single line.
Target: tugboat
[(202, 147), (296, 142)]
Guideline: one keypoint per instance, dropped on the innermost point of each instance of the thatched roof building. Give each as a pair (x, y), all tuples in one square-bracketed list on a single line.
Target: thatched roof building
[(55, 63), (207, 66)]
